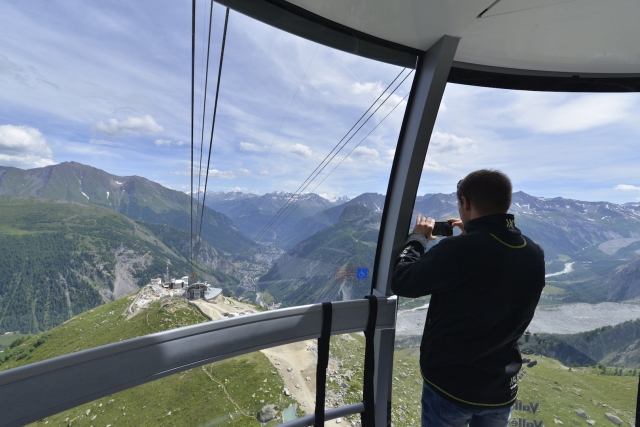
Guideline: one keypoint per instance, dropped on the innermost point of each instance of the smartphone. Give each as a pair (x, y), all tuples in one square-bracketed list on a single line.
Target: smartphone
[(442, 228)]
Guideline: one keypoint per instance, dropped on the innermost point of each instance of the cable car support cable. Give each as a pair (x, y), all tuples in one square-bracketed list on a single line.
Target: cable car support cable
[(204, 110), (298, 191), (345, 157), (213, 123), (324, 162), (193, 65), (286, 114), (302, 186)]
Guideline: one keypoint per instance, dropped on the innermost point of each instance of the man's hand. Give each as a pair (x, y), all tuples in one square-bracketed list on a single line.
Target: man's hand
[(455, 222), (424, 226)]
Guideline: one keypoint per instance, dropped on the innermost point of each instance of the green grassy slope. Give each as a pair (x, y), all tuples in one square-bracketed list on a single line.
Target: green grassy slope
[(229, 392), (226, 392), (557, 389), (8, 339)]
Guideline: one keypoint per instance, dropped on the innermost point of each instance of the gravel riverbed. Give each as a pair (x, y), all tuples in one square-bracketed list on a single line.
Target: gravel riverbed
[(563, 319)]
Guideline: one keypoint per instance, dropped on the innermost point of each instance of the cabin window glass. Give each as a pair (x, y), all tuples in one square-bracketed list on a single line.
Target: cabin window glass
[(96, 225), (572, 165), (268, 387)]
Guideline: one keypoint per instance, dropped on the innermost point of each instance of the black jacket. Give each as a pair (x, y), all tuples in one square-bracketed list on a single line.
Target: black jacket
[(484, 288)]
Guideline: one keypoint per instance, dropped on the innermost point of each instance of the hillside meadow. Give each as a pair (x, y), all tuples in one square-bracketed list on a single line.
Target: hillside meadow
[(232, 392), (223, 393)]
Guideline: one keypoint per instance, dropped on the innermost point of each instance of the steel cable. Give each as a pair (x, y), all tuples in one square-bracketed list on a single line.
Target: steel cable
[(324, 162), (213, 124), (283, 119), (344, 158), (193, 67), (204, 110)]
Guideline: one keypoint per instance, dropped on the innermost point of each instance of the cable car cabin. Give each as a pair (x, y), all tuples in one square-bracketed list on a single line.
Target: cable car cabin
[(283, 151)]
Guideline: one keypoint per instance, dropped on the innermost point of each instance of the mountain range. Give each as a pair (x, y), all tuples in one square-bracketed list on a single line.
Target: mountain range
[(599, 240), (135, 197), (61, 258), (74, 237), (133, 226), (317, 269)]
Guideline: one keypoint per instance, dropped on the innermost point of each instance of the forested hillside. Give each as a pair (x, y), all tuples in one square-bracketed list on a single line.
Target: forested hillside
[(62, 258), (610, 345), (310, 272)]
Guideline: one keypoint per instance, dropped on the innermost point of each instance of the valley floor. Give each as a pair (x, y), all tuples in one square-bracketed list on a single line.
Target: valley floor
[(560, 319)]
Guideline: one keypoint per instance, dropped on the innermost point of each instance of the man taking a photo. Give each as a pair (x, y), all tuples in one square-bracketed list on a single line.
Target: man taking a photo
[(484, 285)]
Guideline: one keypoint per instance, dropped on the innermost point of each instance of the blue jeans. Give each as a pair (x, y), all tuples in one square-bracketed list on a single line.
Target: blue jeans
[(439, 412)]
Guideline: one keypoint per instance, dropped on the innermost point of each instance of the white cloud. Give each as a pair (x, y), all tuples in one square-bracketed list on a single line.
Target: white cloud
[(264, 173), (11, 69), (432, 165), (363, 152), (167, 142), (249, 146), (214, 173), (298, 149), (132, 125), (245, 172), (391, 153), (360, 88), (104, 142), (627, 187), (446, 143), (23, 147), (564, 113)]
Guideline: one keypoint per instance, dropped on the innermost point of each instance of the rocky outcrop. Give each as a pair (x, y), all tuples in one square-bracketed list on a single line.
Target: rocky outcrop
[(617, 421), (268, 413)]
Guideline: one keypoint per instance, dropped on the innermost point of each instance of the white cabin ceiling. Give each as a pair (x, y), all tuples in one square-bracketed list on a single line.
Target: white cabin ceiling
[(575, 36)]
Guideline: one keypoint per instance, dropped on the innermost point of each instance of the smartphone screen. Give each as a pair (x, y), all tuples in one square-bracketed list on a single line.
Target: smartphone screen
[(442, 228)]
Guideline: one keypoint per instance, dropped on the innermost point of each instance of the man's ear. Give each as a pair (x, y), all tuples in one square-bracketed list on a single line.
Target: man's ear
[(466, 205)]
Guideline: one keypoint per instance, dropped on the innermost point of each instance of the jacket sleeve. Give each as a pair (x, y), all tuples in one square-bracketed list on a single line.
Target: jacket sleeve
[(417, 273)]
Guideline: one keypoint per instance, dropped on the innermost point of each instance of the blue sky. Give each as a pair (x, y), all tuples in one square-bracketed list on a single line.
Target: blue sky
[(108, 84)]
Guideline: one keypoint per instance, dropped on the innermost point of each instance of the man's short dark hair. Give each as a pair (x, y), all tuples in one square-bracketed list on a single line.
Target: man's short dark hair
[(488, 190)]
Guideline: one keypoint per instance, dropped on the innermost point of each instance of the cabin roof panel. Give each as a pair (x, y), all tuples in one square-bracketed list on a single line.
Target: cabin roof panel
[(565, 36)]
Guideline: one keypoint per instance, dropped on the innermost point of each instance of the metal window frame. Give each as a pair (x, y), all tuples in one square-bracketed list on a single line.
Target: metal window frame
[(301, 22), (417, 126)]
